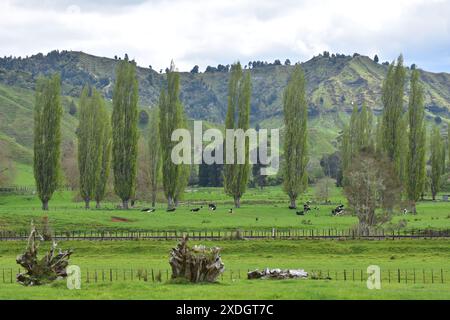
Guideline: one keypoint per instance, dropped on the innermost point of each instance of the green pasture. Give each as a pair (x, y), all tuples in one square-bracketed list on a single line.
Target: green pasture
[(330, 257)]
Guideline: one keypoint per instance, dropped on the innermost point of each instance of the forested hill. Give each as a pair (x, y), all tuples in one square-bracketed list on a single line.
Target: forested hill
[(334, 82)]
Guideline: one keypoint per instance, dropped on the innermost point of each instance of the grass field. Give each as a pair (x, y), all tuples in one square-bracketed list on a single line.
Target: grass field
[(239, 256), (425, 260), (261, 209)]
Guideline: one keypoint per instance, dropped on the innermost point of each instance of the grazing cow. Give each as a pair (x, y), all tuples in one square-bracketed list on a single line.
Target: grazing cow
[(230, 211), (171, 210), (195, 210), (306, 207), (338, 210), (212, 207), (405, 211), (300, 213), (148, 210)]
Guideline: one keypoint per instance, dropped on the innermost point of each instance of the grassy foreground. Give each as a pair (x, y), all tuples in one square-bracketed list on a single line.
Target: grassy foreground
[(329, 256)]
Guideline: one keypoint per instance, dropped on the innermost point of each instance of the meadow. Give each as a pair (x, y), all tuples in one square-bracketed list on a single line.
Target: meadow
[(411, 268), (261, 209), (333, 258)]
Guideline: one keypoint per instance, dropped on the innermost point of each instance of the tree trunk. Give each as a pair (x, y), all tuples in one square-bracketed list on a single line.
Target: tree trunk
[(170, 204), (87, 204), (293, 203), (237, 202), (97, 204), (125, 204), (45, 205), (413, 208), (153, 199)]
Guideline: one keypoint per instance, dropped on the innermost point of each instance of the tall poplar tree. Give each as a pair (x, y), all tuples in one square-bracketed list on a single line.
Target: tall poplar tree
[(296, 134), (154, 149), (104, 147), (415, 168), (236, 176), (436, 148), (124, 130), (47, 137), (171, 117), (392, 98)]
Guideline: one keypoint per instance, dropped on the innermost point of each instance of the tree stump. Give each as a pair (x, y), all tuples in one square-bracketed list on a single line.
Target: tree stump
[(197, 264), (40, 271)]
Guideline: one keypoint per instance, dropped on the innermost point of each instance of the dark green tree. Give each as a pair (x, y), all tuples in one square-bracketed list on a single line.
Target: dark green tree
[(392, 98), (171, 113), (236, 176), (296, 135), (415, 167), (154, 148), (125, 131), (47, 137)]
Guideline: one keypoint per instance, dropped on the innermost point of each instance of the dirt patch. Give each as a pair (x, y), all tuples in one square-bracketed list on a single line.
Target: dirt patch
[(119, 219)]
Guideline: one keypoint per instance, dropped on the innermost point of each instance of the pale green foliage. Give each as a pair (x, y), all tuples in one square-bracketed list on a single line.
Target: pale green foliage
[(104, 148), (415, 167), (357, 136), (171, 117), (437, 148), (90, 135), (47, 137), (296, 136), (154, 149), (236, 176), (125, 131), (392, 98)]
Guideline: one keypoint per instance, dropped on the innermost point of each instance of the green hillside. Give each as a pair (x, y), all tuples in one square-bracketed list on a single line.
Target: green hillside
[(334, 82)]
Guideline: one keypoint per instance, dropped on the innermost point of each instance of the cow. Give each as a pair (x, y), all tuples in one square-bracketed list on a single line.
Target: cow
[(195, 210)]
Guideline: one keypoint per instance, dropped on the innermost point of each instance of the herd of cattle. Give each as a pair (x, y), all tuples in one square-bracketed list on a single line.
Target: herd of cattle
[(339, 210)]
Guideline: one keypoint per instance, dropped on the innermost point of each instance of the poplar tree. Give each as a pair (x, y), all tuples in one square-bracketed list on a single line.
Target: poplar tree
[(124, 130), (296, 134), (236, 176), (436, 148), (104, 148), (154, 149), (392, 99), (415, 168), (171, 117), (47, 137)]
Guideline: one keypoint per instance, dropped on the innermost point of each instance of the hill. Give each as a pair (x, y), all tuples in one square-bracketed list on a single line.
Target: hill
[(334, 83)]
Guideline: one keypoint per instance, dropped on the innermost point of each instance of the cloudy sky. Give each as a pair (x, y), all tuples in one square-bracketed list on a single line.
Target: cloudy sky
[(208, 32)]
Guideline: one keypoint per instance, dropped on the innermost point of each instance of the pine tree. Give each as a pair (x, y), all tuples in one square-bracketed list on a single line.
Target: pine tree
[(415, 168), (236, 176), (47, 137), (125, 131), (296, 135), (154, 148), (392, 98), (436, 146), (171, 113)]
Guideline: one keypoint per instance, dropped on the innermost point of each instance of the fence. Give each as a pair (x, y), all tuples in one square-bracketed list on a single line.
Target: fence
[(154, 275), (278, 234)]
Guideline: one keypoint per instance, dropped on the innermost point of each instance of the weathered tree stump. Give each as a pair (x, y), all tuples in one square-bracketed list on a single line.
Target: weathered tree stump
[(197, 264), (40, 271), (277, 274)]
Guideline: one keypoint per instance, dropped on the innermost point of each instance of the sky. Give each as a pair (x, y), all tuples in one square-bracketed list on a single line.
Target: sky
[(209, 32)]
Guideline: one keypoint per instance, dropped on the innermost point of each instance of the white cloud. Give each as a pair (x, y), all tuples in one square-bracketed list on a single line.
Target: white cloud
[(210, 32)]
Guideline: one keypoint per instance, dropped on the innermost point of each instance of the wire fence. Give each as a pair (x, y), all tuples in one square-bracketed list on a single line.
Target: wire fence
[(155, 275), (264, 234)]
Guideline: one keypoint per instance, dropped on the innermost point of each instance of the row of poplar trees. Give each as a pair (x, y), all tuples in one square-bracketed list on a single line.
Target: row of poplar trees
[(399, 135), (105, 142)]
